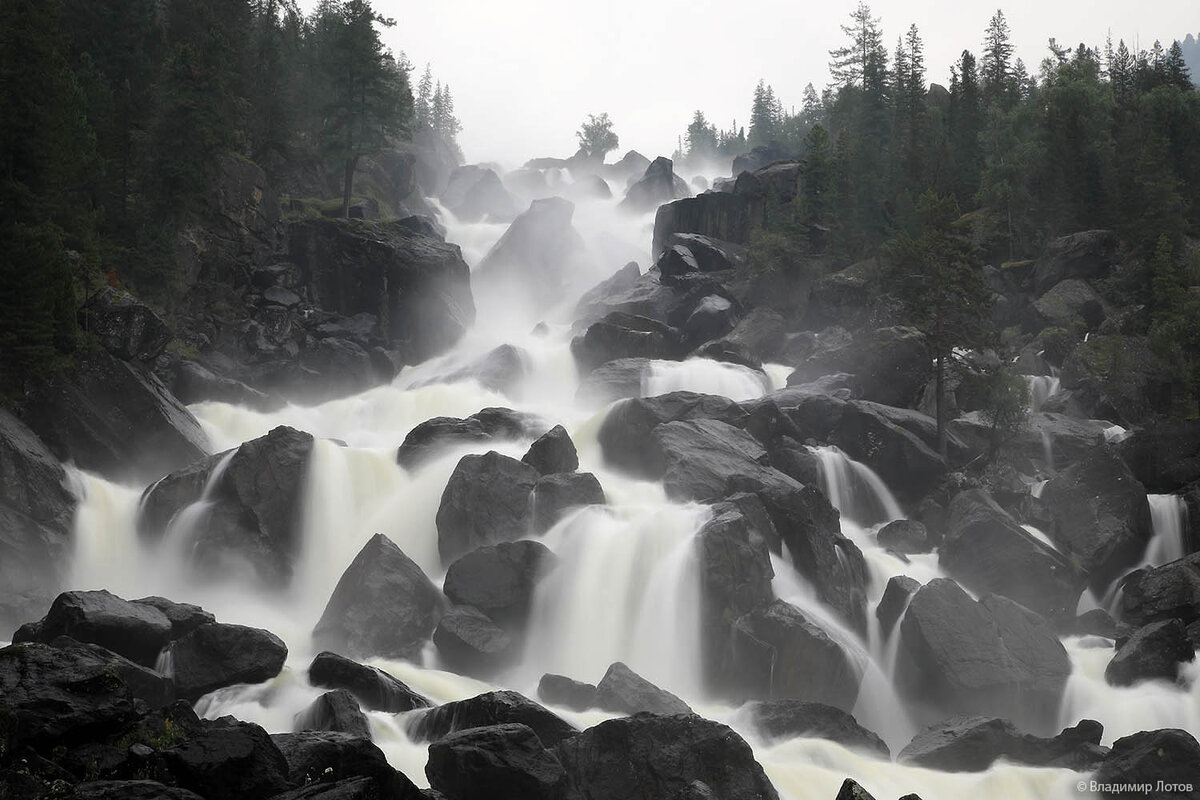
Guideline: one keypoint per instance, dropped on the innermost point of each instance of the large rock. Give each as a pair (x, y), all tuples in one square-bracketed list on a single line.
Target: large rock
[(335, 711), (992, 656), (1167, 757), (1101, 516), (779, 652), (326, 757), (554, 495), (987, 551), (430, 437), (1118, 377), (620, 336), (493, 708), (709, 254), (499, 762), (657, 185), (894, 602), (184, 617), (384, 605), (372, 687), (1088, 255), (552, 452), (134, 630), (226, 760), (541, 252), (130, 790), (625, 433), (1051, 440), (486, 501), (470, 643), (559, 690), (623, 691), (145, 684), (1164, 456), (648, 757), (1070, 304), (475, 193), (218, 655), (37, 511), (125, 326), (1152, 651), (256, 503), (973, 744), (115, 418), (1171, 591), (790, 719), (418, 286), (890, 365), (500, 580)]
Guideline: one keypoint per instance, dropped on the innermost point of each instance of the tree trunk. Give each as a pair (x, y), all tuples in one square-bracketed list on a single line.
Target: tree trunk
[(940, 390), (348, 185)]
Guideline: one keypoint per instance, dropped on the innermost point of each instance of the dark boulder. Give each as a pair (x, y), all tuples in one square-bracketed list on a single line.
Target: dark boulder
[(1171, 591), (129, 790), (194, 383), (714, 316), (973, 744), (987, 551), (374, 689), (136, 631), (428, 438), (501, 369), (1164, 456), (145, 684), (1088, 255), (217, 655), (1069, 304), (759, 336), (1152, 651), (676, 260), (541, 252), (226, 760), (779, 652), (336, 711), (486, 501), (1117, 377), (124, 326), (1101, 516), (614, 380), (552, 452), (327, 757), (625, 433), (1167, 757), (647, 757), (890, 365), (499, 762), (475, 193), (384, 605), (1052, 440), (555, 494), (709, 254), (622, 280), (620, 335), (37, 512), (894, 602), (184, 617), (499, 580), (657, 185), (493, 708), (113, 417), (470, 643), (791, 719), (623, 691), (852, 790), (979, 657), (559, 690), (906, 536), (255, 512), (417, 285)]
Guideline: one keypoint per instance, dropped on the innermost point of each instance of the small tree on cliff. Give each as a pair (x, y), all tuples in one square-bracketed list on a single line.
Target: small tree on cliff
[(370, 102), (596, 136), (936, 276)]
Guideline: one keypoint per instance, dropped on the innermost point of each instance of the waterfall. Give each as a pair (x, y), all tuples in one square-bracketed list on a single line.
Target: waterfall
[(1041, 388), (1169, 516), (705, 376), (855, 490), (106, 553)]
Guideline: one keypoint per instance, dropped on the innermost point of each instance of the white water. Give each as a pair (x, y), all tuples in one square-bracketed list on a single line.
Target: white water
[(1041, 389), (1169, 516), (626, 587)]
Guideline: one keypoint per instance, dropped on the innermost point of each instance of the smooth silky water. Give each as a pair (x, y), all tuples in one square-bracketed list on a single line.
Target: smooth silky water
[(627, 584)]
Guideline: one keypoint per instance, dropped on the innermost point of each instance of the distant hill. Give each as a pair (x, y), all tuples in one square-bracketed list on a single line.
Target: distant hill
[(1191, 55)]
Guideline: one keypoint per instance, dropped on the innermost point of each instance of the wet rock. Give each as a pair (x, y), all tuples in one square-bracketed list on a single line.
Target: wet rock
[(559, 690), (623, 691), (129, 790), (124, 326), (226, 760), (1171, 591), (374, 689), (658, 185), (115, 418), (541, 251), (893, 604), (904, 536), (1152, 758), (326, 757), (851, 790), (486, 501), (417, 285), (986, 550), (1051, 439), (133, 630), (615, 380), (714, 316), (1099, 622), (195, 383), (709, 254), (1143, 391), (552, 452), (501, 369), (649, 756), (625, 433), (622, 280), (492, 708), (499, 580), (1152, 651), (555, 494), (1088, 255), (979, 657), (973, 744), (144, 684), (676, 260), (758, 337), (499, 762), (620, 335), (791, 719), (1164, 456), (475, 193), (472, 644), (384, 605), (218, 655), (890, 365), (1101, 516), (184, 617), (779, 652), (427, 439), (336, 711), (1068, 304)]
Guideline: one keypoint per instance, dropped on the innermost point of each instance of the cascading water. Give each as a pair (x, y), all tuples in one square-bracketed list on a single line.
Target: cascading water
[(706, 376), (855, 490), (1041, 389), (1169, 517)]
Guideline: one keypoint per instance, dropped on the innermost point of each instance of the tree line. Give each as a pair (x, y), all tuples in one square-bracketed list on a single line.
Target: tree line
[(113, 116)]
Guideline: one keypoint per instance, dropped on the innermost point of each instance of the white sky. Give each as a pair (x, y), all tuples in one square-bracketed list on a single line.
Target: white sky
[(525, 73)]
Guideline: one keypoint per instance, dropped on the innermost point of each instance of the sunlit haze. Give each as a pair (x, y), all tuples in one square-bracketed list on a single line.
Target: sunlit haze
[(525, 72)]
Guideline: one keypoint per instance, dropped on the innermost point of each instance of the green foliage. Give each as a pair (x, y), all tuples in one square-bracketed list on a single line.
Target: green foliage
[(596, 136), (1006, 407), (37, 305), (1175, 318)]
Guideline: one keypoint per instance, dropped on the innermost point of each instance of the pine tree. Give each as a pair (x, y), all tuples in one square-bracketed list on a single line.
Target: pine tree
[(701, 138), (863, 62), (424, 101), (1176, 69), (596, 136), (996, 68)]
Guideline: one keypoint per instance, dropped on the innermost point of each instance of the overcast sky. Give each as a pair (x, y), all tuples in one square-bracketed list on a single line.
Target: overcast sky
[(524, 73)]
